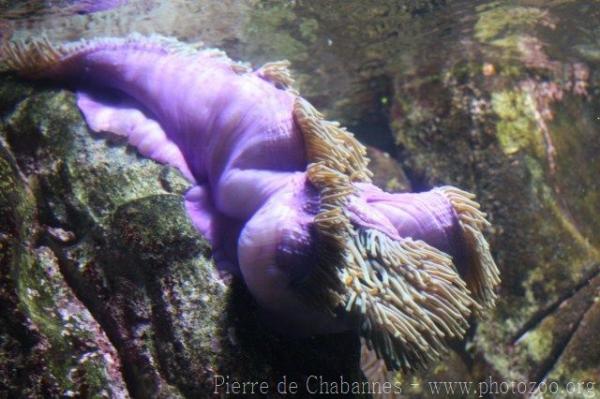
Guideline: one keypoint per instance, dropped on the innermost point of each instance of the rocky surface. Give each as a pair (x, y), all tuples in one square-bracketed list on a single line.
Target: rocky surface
[(106, 288), (512, 114)]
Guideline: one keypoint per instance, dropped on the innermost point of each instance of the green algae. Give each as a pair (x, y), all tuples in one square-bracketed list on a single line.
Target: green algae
[(63, 327), (517, 128), (64, 323), (502, 20), (538, 343), (505, 30), (575, 130), (44, 298), (559, 230), (309, 29), (115, 173)]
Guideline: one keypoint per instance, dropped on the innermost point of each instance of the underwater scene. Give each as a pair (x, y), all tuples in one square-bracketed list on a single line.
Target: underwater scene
[(299, 198)]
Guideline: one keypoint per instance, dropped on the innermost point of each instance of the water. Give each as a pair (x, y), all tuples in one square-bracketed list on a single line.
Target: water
[(500, 98)]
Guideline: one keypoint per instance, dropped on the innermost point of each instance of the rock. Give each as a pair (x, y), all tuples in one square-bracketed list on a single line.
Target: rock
[(387, 172), (512, 115), (106, 288), (341, 51), (51, 344)]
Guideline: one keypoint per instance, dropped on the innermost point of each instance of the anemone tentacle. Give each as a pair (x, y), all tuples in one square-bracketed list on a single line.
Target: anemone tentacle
[(410, 295), (482, 275)]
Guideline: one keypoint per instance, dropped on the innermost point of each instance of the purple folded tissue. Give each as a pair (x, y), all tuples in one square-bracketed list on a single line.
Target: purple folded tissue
[(285, 196)]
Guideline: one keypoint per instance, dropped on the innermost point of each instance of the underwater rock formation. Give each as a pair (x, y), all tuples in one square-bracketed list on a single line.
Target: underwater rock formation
[(106, 288), (512, 114)]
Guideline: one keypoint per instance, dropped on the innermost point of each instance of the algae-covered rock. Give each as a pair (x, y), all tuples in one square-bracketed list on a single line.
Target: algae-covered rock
[(106, 288), (512, 115), (51, 344)]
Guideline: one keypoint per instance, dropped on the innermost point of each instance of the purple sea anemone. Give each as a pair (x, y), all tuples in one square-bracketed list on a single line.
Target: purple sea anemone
[(285, 196)]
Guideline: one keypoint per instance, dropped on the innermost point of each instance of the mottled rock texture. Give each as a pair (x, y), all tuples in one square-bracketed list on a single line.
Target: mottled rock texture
[(512, 114), (106, 288)]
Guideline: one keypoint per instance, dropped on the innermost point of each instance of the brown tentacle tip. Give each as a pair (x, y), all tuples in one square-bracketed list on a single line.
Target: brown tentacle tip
[(30, 58), (36, 57), (481, 273), (410, 294), (277, 73)]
